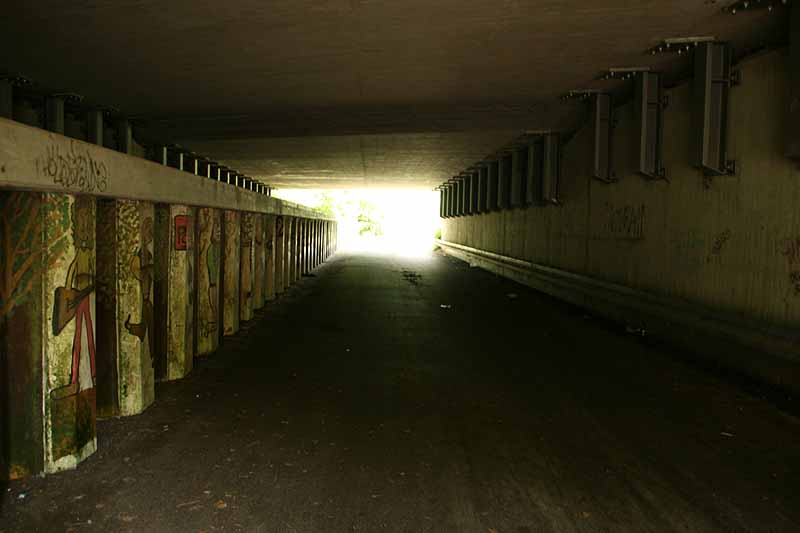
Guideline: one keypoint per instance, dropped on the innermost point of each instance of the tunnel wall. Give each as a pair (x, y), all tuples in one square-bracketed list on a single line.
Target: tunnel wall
[(670, 255), (114, 272)]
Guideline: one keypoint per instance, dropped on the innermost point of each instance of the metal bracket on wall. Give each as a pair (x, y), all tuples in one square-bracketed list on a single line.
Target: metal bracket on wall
[(603, 115), (752, 5), (710, 102)]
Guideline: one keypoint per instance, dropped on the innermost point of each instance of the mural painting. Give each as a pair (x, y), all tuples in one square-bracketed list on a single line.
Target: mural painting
[(72, 392), (142, 269), (22, 216), (208, 279), (269, 253), (258, 261), (246, 261), (231, 271)]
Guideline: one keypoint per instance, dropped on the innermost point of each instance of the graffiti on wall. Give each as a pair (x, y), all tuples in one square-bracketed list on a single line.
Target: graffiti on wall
[(624, 222), (73, 407), (790, 249), (73, 168), (719, 241)]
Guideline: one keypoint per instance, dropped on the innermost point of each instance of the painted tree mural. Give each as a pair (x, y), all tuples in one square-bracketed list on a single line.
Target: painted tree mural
[(21, 252)]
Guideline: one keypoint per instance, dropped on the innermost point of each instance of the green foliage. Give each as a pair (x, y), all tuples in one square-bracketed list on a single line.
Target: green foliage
[(369, 219), (438, 234)]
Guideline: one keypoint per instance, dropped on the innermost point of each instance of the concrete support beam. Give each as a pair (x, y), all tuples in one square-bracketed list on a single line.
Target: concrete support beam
[(280, 253), (125, 309), (231, 251), (246, 266), (269, 252), (209, 288), (37, 160), (174, 290)]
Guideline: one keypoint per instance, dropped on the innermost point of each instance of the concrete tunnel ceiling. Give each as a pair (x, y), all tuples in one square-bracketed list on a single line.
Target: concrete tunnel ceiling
[(351, 93)]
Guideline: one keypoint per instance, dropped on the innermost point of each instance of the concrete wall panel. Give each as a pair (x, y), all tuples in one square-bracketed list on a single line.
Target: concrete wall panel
[(730, 243)]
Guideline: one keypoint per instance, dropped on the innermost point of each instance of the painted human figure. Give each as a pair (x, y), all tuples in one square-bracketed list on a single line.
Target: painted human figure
[(73, 300), (141, 267)]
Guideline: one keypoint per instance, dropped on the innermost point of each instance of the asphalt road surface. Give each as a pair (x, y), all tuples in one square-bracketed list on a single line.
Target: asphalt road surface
[(398, 394)]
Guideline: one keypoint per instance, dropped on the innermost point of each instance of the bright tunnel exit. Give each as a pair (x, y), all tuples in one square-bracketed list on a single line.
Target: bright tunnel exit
[(391, 221)]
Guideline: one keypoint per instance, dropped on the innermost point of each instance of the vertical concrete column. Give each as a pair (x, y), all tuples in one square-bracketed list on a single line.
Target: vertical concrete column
[(327, 239), (125, 361), (292, 277), (317, 243), (68, 324), (279, 253), (174, 290), (327, 226), (269, 252), (230, 272), (259, 261), (289, 228), (301, 239), (246, 266), (311, 243), (306, 246), (209, 288), (47, 321), (297, 251), (298, 224), (320, 242)]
